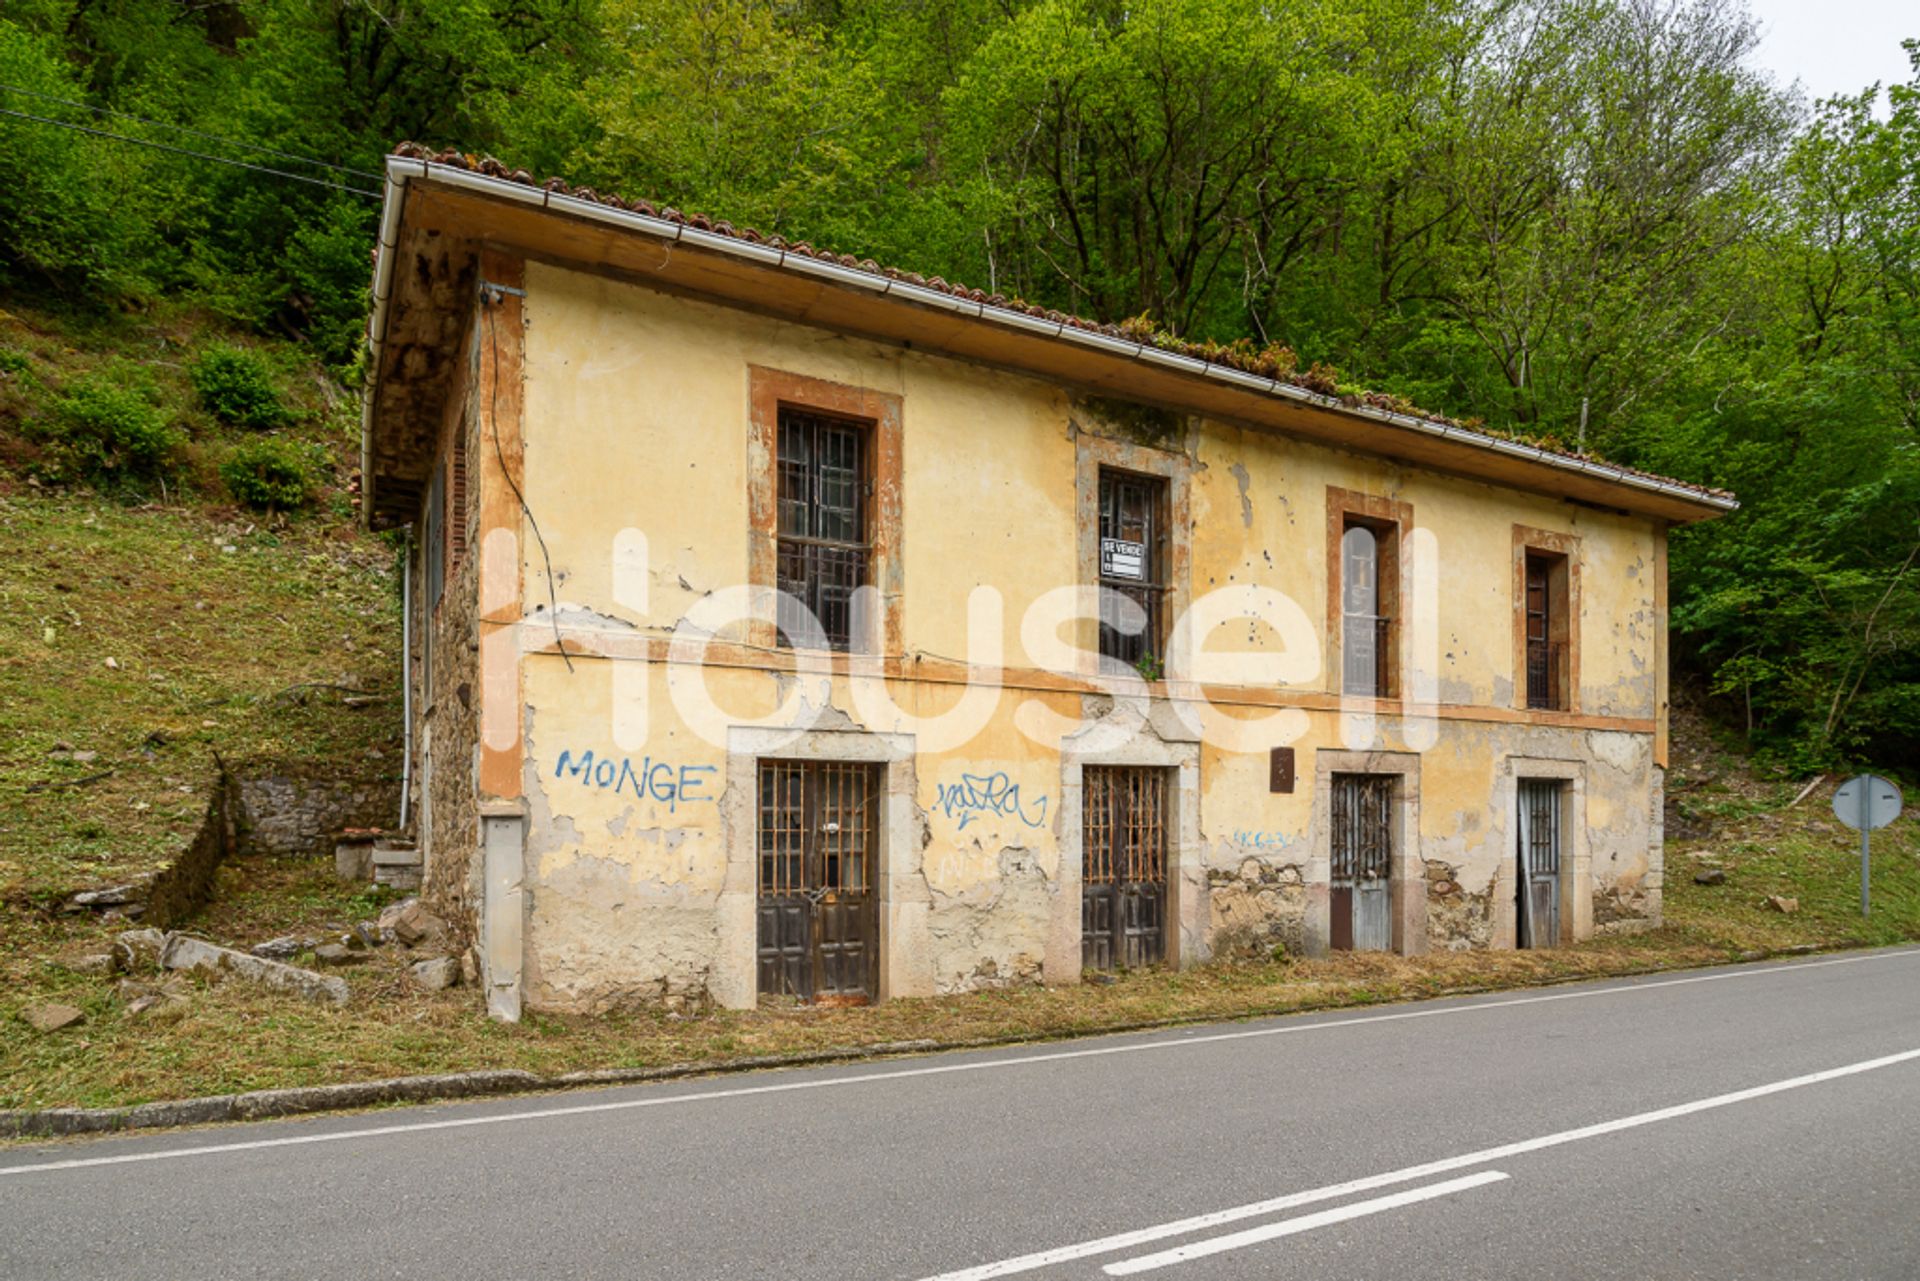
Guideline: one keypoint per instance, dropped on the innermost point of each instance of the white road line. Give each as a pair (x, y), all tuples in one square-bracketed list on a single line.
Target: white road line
[(941, 1069), (1305, 1223), (1447, 1165)]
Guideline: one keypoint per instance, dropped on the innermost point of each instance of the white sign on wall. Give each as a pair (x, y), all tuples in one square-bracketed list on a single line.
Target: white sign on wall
[(1122, 559)]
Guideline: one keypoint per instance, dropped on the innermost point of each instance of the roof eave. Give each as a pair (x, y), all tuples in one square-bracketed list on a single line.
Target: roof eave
[(1676, 501)]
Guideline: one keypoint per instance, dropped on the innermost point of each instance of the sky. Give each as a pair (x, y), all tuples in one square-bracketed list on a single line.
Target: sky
[(1835, 46)]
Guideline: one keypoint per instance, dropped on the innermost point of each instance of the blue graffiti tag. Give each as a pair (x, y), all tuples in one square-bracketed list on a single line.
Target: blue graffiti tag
[(652, 781), (977, 794), (1264, 840)]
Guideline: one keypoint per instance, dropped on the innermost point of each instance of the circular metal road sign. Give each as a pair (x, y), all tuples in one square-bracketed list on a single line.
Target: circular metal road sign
[(1866, 801)]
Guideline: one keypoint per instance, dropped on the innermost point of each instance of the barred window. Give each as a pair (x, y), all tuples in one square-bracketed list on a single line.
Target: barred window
[(1133, 567), (824, 547)]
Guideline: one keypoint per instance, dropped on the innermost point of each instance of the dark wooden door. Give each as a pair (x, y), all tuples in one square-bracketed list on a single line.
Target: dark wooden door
[(1361, 881), (1123, 883), (1537, 912), (818, 921)]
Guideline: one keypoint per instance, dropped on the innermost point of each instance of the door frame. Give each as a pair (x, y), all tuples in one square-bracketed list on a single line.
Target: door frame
[(1407, 878), (902, 953), (1576, 853)]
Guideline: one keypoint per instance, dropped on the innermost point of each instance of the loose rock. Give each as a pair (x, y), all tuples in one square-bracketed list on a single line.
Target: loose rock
[(51, 1018), (413, 925), (184, 952), (435, 974), (136, 950), (86, 959), (112, 896), (1781, 903), (165, 1000), (337, 954), (1710, 876), (284, 948)]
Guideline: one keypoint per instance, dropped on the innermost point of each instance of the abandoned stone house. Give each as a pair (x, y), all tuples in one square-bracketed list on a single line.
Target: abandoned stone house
[(786, 626)]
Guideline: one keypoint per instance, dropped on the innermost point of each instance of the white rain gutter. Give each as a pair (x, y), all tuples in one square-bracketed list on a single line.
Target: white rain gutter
[(400, 170)]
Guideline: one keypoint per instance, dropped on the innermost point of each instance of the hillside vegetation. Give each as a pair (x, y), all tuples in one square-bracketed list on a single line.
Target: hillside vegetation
[(149, 623)]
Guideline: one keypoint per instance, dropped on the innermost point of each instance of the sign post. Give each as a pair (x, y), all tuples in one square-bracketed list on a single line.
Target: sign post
[(1864, 802)]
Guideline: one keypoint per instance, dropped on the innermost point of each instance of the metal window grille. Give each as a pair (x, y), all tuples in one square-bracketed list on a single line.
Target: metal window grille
[(823, 552), (1132, 609), (1126, 825), (1362, 836)]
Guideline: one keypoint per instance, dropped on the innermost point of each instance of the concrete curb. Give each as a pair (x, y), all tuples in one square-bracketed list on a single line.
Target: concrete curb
[(300, 1100)]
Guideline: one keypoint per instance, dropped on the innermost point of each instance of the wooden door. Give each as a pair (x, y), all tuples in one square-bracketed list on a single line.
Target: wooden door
[(1123, 882), (818, 920)]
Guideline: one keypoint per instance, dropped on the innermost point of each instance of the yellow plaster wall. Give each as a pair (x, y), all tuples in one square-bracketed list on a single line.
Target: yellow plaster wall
[(636, 418)]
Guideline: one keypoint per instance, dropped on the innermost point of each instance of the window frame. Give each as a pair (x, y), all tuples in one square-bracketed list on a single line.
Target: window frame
[(1560, 554), (878, 630)]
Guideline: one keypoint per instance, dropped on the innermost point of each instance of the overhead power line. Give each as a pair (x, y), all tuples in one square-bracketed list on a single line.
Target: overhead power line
[(183, 151), (197, 133)]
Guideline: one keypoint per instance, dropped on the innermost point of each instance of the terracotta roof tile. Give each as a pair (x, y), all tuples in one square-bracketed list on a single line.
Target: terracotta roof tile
[(1239, 356)]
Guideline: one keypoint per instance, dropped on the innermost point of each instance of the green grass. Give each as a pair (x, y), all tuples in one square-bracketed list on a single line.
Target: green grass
[(142, 633), (153, 638)]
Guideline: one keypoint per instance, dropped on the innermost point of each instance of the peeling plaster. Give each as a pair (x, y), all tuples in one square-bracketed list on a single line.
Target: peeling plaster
[(1240, 478)]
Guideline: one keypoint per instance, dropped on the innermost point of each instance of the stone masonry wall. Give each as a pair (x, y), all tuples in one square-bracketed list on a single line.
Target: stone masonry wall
[(449, 819), (296, 815)]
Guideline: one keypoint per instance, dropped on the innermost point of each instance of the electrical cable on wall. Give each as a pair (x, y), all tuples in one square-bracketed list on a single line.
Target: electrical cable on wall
[(489, 296)]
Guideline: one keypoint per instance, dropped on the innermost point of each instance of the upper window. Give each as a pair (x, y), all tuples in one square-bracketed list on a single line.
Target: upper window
[(1133, 569), (824, 543), (1546, 630), (1366, 641)]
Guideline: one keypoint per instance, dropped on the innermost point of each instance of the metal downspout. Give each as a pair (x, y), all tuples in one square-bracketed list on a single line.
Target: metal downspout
[(406, 678)]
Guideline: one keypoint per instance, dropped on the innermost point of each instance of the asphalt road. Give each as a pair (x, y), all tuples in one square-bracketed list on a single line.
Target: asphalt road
[(1760, 1122)]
